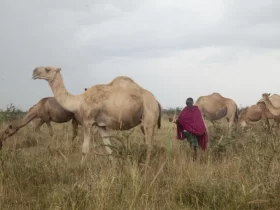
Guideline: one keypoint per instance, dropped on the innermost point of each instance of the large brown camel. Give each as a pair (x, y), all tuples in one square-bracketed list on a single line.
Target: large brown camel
[(47, 110), (271, 107), (255, 113), (215, 107), (119, 105)]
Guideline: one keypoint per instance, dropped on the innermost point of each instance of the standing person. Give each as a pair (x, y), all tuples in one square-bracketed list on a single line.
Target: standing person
[(190, 125)]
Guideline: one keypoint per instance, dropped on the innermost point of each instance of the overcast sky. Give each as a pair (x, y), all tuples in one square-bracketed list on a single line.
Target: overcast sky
[(176, 49)]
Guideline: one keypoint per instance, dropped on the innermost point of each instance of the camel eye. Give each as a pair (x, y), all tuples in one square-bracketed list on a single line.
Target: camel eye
[(47, 70), (10, 126)]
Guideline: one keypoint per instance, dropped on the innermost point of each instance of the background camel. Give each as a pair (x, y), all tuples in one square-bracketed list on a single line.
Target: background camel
[(273, 109), (119, 105), (215, 107), (271, 101), (255, 113), (47, 110)]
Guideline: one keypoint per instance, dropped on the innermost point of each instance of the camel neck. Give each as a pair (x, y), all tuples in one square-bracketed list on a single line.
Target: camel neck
[(68, 101), (30, 115)]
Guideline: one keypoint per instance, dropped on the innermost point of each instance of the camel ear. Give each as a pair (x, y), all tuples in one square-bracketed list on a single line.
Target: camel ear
[(58, 69), (85, 89)]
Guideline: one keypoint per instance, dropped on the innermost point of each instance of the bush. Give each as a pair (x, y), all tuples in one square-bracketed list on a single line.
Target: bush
[(11, 113)]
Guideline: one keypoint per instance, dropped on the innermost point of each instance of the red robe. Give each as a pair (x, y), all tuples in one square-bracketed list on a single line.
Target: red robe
[(192, 121)]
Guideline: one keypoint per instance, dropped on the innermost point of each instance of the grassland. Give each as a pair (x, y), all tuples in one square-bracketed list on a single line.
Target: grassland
[(42, 172)]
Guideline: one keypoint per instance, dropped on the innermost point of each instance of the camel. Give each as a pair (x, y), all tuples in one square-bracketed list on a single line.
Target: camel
[(255, 113), (274, 99), (142, 128), (215, 107), (46, 110), (119, 105), (273, 108)]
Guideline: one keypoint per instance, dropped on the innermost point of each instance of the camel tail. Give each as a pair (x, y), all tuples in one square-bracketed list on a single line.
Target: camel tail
[(159, 117), (236, 114)]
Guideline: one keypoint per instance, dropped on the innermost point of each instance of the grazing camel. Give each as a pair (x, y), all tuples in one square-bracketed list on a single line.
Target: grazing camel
[(214, 107), (119, 105), (255, 113), (270, 106), (47, 110)]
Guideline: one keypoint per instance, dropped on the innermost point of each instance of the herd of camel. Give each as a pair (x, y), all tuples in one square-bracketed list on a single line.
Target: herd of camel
[(123, 104)]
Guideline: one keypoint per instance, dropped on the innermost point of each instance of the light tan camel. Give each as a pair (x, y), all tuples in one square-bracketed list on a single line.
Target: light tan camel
[(215, 107), (142, 127), (271, 107), (47, 110), (274, 99), (119, 105), (255, 113)]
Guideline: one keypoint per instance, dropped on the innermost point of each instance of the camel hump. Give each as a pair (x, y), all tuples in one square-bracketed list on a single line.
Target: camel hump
[(121, 79), (211, 98), (39, 104), (125, 82), (216, 94)]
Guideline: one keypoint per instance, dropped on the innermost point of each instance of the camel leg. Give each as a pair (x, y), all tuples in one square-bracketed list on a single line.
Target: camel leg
[(277, 123), (38, 126), (143, 131), (266, 121), (50, 128), (85, 147), (149, 132), (213, 123), (106, 140), (74, 129), (230, 124)]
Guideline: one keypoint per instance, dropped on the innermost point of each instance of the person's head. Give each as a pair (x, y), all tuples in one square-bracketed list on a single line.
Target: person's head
[(189, 102)]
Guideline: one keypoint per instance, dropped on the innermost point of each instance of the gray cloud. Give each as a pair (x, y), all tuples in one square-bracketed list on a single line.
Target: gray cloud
[(175, 49)]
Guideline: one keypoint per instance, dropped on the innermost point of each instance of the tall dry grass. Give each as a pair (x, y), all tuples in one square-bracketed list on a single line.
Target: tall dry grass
[(40, 172)]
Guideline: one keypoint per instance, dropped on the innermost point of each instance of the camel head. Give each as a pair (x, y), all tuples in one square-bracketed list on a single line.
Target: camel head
[(47, 73), (9, 131), (265, 96)]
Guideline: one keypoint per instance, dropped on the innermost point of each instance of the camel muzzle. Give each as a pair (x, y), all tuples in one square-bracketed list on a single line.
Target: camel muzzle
[(34, 75)]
